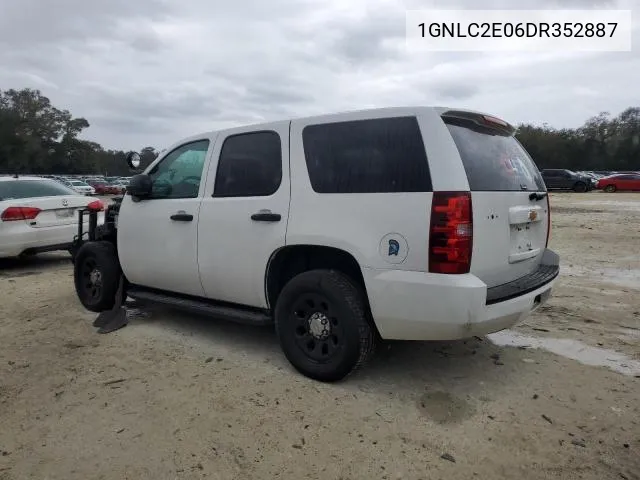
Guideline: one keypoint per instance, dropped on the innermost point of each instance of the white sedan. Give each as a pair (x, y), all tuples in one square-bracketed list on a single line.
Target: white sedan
[(40, 215), (81, 187)]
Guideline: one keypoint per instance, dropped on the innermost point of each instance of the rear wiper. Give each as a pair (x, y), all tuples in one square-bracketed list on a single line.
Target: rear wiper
[(537, 196)]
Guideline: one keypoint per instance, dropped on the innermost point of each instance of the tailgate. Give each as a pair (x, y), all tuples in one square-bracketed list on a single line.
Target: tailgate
[(508, 196), (509, 235)]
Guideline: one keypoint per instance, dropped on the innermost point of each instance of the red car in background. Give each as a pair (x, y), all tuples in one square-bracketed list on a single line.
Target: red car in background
[(622, 181), (104, 188)]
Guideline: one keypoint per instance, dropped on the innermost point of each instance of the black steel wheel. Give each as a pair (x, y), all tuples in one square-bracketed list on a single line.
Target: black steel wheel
[(96, 275), (319, 333), (321, 321)]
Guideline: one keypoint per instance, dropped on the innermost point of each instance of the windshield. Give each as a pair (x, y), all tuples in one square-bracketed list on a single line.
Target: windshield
[(16, 189), (494, 161), (79, 184)]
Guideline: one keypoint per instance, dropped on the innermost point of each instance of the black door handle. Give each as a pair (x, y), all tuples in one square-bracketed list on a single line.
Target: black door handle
[(266, 217), (537, 196), (181, 217)]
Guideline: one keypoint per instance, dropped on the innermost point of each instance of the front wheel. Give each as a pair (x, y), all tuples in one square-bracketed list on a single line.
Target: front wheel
[(610, 188), (580, 187), (321, 321), (96, 275)]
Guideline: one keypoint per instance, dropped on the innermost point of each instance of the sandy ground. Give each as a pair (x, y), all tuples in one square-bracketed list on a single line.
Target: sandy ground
[(173, 396)]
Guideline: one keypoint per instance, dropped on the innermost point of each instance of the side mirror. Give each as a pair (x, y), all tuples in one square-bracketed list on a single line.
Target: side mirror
[(133, 160), (140, 186)]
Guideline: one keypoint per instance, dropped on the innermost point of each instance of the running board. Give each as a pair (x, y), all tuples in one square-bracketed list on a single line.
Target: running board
[(206, 307)]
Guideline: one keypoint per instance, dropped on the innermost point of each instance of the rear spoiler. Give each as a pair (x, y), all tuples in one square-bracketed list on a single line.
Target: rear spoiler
[(486, 121)]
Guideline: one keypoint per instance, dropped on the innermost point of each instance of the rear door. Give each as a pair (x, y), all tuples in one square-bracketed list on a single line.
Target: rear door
[(244, 212), (628, 182), (509, 202)]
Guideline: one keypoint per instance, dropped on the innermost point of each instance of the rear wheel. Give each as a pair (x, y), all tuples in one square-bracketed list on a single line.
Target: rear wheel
[(610, 188), (580, 187), (96, 275), (321, 321)]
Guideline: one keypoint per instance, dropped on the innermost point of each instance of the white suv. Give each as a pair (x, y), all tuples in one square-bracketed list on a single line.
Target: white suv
[(401, 223)]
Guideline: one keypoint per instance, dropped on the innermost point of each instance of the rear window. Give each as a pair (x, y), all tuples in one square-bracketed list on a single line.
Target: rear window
[(493, 160), (17, 189), (367, 156)]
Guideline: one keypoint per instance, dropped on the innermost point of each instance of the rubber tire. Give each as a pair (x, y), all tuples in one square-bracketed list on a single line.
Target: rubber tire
[(106, 258), (349, 301), (610, 188), (580, 187)]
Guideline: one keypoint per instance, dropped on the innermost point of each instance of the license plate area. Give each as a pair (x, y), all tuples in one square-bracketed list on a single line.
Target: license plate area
[(65, 212), (522, 247)]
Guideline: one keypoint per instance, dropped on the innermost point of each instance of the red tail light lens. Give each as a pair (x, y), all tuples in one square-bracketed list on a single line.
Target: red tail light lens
[(548, 221), (451, 233), (96, 206), (12, 214)]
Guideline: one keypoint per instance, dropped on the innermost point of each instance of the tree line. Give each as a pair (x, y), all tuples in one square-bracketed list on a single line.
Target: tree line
[(39, 138)]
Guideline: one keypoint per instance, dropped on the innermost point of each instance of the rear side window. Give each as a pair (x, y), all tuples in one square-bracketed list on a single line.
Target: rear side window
[(16, 189), (367, 156), (495, 161), (250, 165)]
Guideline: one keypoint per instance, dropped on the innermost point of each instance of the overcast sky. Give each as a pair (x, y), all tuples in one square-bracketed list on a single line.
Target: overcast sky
[(148, 72)]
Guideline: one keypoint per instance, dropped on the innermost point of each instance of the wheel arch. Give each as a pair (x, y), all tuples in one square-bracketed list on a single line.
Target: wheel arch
[(291, 260)]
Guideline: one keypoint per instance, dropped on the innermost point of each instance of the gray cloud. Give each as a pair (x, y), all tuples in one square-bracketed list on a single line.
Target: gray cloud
[(454, 91), (31, 22), (148, 73)]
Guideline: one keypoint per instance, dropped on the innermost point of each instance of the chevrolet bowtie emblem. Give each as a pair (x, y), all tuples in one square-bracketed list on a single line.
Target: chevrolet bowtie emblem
[(533, 215)]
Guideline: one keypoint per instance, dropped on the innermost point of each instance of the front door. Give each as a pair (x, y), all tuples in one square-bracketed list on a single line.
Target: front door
[(157, 237), (244, 213)]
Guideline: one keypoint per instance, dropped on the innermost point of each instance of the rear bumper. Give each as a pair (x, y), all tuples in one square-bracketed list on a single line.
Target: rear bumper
[(26, 239), (17, 238), (423, 306)]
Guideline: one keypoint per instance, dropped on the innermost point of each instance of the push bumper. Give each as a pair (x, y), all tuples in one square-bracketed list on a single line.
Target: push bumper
[(422, 306)]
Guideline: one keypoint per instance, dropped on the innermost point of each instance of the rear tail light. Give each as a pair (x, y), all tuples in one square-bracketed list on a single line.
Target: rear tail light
[(451, 233), (12, 214), (548, 221), (96, 206)]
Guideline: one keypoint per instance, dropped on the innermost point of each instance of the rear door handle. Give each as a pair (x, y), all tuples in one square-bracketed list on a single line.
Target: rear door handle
[(181, 217), (266, 216), (537, 196)]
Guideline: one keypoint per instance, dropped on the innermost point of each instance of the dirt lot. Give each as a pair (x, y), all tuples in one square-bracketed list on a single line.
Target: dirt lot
[(173, 396)]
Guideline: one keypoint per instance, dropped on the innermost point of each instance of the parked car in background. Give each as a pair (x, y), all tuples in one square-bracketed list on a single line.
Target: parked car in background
[(81, 187), (621, 182), (39, 215), (593, 175), (101, 188), (561, 179), (117, 187)]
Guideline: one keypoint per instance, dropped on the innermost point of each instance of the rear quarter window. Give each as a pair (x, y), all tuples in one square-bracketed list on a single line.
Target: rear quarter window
[(494, 161), (367, 156)]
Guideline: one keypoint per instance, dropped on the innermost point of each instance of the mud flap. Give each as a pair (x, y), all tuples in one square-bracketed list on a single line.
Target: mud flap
[(116, 318)]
